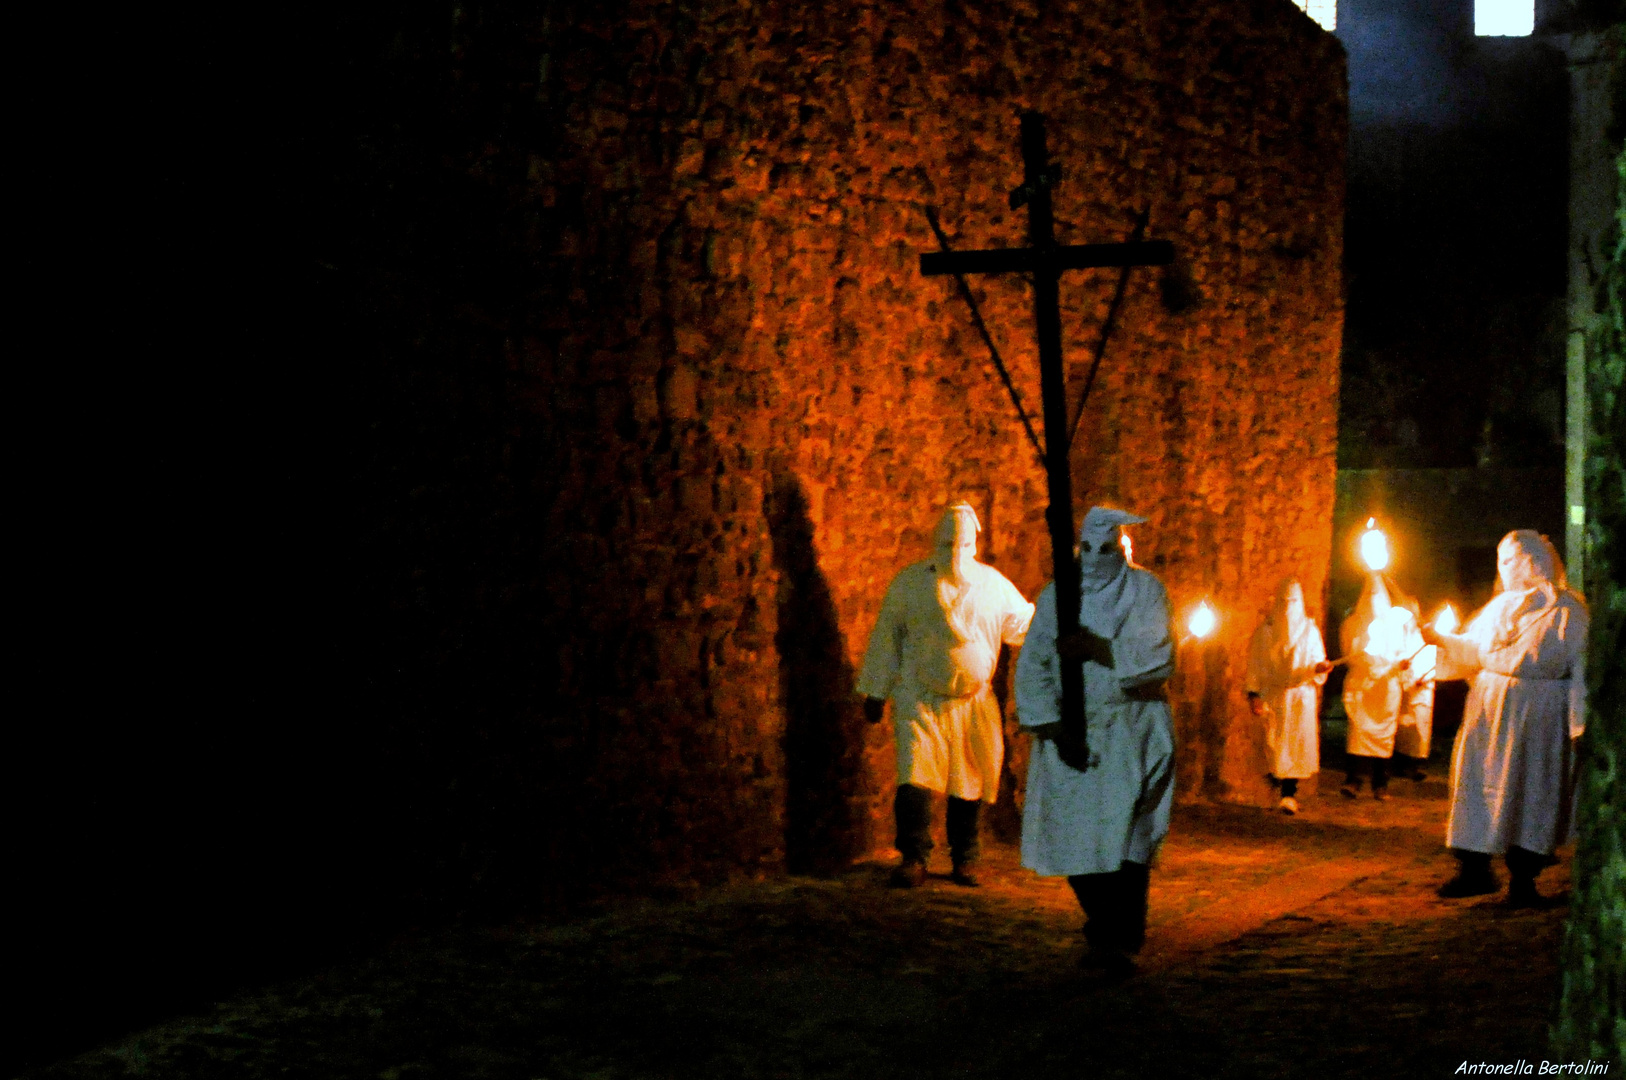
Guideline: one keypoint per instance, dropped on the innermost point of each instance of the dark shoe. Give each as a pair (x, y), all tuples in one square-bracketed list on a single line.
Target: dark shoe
[(1350, 791), (965, 874), (911, 875), (1468, 885), (1380, 794), (1521, 893)]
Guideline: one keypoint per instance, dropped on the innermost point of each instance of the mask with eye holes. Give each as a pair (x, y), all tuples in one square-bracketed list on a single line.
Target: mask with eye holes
[(1100, 554)]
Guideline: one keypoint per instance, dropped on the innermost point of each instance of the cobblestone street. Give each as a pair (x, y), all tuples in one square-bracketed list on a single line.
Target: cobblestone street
[(1309, 946)]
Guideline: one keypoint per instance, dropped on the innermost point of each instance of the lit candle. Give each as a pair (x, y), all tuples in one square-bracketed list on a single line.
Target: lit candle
[(1202, 621), (1374, 546)]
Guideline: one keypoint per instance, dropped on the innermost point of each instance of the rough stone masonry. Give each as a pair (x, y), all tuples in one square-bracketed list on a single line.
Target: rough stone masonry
[(732, 407)]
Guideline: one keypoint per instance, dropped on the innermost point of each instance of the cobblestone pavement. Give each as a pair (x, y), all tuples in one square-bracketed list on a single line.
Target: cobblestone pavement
[(1308, 946)]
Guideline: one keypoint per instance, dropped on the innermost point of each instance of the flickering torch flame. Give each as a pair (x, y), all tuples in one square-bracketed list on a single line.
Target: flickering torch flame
[(1374, 546), (1447, 622), (1202, 621), (1386, 635), (1128, 546)]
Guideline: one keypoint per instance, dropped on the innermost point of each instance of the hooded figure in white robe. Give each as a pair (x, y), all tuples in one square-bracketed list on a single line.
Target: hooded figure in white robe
[(1381, 641), (1513, 766), (933, 652), (1100, 828), (1414, 730), (1286, 668)]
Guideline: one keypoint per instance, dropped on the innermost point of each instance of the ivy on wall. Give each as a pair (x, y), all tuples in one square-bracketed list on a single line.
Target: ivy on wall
[(1592, 1008)]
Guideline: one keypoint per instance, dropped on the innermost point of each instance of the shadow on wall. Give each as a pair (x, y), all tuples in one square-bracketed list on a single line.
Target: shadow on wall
[(1214, 713), (824, 723)]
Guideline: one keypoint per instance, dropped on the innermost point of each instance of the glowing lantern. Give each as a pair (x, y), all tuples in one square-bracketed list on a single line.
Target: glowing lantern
[(1447, 622), (1202, 621), (1374, 546)]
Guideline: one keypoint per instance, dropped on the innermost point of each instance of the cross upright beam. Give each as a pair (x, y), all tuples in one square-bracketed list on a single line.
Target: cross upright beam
[(1046, 261)]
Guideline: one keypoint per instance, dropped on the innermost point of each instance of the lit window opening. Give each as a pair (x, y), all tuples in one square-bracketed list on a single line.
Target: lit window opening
[(1324, 12), (1504, 18)]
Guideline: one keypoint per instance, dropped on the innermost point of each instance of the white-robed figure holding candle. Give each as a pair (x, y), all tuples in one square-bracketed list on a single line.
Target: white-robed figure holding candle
[(933, 652), (1287, 665), (1513, 766), (1100, 828), (1381, 642)]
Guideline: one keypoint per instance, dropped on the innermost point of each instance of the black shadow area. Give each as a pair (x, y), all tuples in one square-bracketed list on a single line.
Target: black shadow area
[(824, 726)]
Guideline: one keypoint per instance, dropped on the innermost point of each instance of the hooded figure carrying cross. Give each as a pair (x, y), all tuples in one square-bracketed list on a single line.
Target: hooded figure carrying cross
[(1100, 827)]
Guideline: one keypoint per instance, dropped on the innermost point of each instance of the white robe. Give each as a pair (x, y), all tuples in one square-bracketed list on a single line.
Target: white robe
[(1513, 767), (1375, 687), (1118, 809), (933, 652), (1286, 680), (1414, 730)]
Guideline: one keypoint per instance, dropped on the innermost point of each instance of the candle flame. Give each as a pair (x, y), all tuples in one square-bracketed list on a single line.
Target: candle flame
[(1374, 546), (1447, 622), (1128, 546), (1202, 621)]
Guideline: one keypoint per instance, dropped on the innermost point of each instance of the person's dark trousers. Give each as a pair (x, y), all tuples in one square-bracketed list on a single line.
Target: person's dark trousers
[(964, 842), (1408, 766), (1376, 767), (1114, 907), (912, 808)]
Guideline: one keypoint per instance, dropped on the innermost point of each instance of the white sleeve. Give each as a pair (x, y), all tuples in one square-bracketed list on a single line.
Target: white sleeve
[(1575, 631), (1313, 653), (883, 659), (1258, 646), (1459, 657), (1018, 616), (1038, 673), (1143, 651)]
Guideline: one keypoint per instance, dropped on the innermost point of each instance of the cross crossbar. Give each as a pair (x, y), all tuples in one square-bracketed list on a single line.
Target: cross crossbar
[(1046, 260), (1026, 260)]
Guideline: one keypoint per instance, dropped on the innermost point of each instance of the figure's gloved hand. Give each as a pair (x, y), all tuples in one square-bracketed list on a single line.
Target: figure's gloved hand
[(1085, 645), (1070, 748), (874, 709)]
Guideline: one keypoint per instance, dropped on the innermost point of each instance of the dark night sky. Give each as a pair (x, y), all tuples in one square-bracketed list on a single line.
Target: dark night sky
[(1456, 240)]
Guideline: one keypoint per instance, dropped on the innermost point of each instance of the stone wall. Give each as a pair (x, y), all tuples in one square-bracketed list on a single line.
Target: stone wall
[(716, 406)]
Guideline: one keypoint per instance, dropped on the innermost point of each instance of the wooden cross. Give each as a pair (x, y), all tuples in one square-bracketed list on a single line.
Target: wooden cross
[(1045, 260)]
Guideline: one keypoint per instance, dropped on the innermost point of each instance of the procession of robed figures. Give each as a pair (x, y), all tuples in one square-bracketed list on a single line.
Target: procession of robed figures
[(1098, 802), (1097, 650)]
